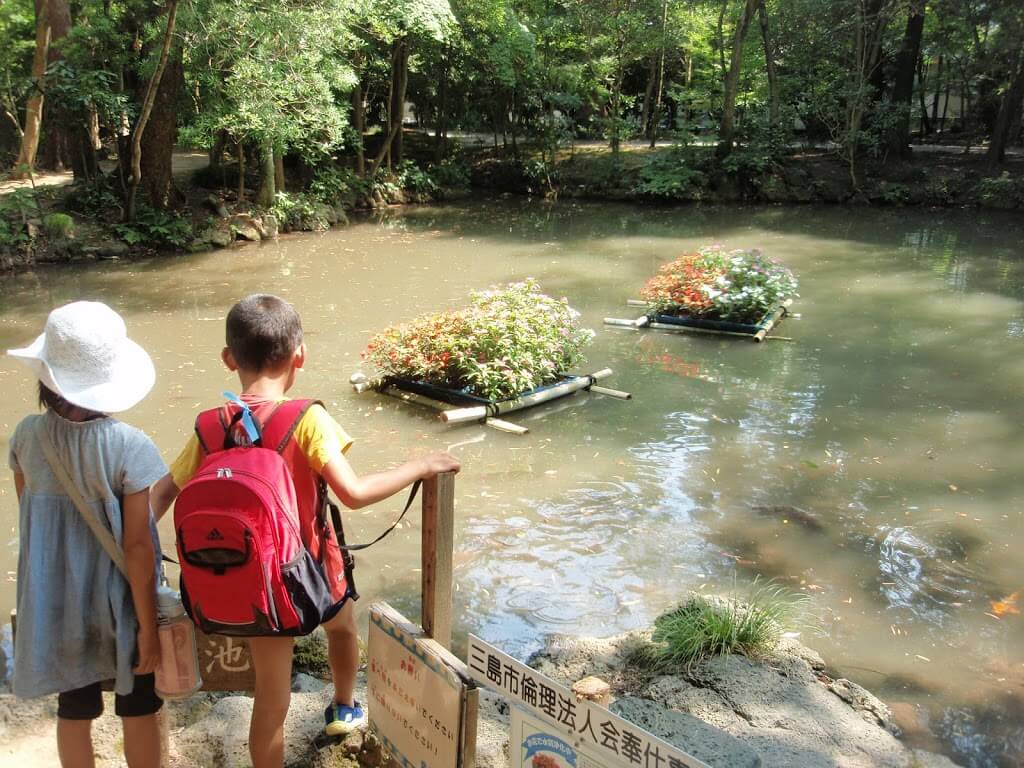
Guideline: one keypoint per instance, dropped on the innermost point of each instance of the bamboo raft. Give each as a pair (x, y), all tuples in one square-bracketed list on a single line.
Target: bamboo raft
[(460, 407), (674, 324)]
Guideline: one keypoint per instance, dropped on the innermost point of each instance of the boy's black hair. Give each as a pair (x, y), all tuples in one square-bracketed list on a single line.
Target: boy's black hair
[(263, 331)]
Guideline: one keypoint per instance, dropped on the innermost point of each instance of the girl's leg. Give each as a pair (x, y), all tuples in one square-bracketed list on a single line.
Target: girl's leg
[(272, 662), (76, 710), (343, 653), (141, 741), (74, 743)]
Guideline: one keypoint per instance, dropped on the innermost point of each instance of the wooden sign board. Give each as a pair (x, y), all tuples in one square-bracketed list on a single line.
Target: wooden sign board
[(225, 663), (597, 737), (422, 702)]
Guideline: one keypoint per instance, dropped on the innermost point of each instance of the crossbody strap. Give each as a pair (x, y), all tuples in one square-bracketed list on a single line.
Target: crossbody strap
[(104, 536), (356, 547)]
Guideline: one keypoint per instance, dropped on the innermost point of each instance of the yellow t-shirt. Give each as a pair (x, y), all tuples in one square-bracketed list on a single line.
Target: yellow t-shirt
[(319, 436)]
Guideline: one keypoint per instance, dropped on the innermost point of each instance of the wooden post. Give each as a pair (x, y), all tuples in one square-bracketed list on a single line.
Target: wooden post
[(438, 546)]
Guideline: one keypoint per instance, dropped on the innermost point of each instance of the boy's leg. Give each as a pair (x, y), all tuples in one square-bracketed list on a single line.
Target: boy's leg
[(343, 653), (75, 712), (272, 662), (138, 711)]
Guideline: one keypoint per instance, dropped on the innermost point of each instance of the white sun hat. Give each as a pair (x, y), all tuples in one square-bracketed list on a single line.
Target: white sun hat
[(85, 356)]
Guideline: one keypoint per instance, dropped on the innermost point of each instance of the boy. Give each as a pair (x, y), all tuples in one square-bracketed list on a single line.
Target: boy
[(265, 348)]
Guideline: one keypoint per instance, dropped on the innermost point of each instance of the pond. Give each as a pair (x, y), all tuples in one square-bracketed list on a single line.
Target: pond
[(873, 462)]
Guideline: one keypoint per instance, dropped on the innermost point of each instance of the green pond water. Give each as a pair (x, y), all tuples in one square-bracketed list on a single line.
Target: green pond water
[(874, 462)]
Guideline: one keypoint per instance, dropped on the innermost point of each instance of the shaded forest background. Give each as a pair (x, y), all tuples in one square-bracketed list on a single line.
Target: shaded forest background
[(320, 95)]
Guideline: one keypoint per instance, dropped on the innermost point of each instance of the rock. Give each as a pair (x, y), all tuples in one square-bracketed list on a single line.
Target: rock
[(246, 227), (688, 734), (342, 214), (58, 225), (303, 683), (371, 755), (311, 655), (221, 238), (111, 249), (593, 689), (325, 212), (270, 226), (217, 205), (784, 707)]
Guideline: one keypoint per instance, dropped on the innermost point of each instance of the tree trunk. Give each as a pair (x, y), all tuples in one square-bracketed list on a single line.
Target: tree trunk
[(926, 126), (25, 164), (359, 126), (1009, 109), (161, 135), (661, 75), (268, 189), (938, 91), (732, 81), (645, 117), (241, 171), (903, 84), (147, 108), (60, 134), (769, 61), (279, 170), (441, 127), (400, 64), (400, 74)]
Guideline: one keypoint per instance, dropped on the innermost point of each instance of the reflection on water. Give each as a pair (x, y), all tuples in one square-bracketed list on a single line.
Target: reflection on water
[(872, 462)]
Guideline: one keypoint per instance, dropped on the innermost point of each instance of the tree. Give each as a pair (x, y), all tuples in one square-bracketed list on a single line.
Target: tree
[(727, 127), (903, 85), (32, 125)]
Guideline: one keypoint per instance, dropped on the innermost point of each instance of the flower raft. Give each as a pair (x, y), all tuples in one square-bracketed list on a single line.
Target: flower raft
[(509, 350), (733, 293)]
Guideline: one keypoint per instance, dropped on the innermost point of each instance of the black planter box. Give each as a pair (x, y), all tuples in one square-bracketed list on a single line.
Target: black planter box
[(460, 397)]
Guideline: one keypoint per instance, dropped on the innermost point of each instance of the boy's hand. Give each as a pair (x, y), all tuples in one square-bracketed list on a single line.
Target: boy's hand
[(149, 650), (439, 462)]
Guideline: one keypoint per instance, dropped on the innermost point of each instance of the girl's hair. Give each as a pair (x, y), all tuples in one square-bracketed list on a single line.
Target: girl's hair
[(52, 401)]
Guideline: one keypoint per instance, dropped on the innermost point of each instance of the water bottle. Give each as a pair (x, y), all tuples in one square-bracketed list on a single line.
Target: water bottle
[(177, 674)]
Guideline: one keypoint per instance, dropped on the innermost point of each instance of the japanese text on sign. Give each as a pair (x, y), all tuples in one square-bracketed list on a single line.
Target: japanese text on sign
[(593, 729), (416, 701)]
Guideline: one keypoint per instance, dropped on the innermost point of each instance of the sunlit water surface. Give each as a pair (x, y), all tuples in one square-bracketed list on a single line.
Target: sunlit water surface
[(874, 462)]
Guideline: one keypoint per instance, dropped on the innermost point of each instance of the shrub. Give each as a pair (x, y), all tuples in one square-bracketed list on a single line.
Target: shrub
[(155, 228), (704, 626), (299, 212), (451, 173), (671, 174), (510, 340), (741, 285), (58, 225), (331, 185), (414, 179)]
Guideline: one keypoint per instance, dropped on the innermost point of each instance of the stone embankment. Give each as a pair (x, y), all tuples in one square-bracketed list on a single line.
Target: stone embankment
[(784, 710)]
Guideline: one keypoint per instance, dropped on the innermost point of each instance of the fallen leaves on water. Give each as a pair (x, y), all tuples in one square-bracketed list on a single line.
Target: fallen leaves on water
[(1007, 605)]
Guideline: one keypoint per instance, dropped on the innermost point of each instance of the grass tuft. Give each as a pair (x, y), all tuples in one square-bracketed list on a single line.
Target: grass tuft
[(704, 626)]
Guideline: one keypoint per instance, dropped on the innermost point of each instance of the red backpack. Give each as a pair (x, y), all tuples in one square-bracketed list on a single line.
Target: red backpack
[(245, 570)]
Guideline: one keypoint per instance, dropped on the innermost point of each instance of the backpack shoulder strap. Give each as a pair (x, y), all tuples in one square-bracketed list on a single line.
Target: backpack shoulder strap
[(210, 430), (281, 424)]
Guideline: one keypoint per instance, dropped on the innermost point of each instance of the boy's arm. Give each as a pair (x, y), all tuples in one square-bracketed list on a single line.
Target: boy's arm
[(356, 492), (140, 562), (164, 491), (19, 484)]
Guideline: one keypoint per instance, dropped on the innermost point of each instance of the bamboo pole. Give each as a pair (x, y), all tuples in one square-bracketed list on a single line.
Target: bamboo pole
[(617, 393), (476, 413), (437, 550), (710, 331), (625, 322), (772, 320)]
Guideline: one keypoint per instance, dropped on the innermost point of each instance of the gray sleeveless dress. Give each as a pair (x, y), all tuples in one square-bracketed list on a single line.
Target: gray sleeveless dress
[(76, 621)]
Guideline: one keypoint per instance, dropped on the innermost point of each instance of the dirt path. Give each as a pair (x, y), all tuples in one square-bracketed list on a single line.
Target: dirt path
[(184, 162)]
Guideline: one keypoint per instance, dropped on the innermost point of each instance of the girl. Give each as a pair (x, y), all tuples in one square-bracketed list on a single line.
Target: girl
[(81, 620)]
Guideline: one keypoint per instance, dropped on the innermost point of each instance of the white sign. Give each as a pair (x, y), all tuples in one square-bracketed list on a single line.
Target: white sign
[(417, 700), (594, 732)]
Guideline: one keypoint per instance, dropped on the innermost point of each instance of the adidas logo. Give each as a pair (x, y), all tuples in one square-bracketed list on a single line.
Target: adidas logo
[(215, 535)]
